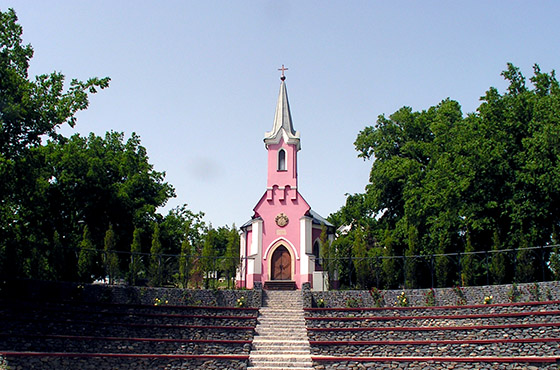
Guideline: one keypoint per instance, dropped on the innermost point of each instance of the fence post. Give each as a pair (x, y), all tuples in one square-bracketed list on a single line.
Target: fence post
[(404, 271), (487, 268), (543, 264), (432, 268)]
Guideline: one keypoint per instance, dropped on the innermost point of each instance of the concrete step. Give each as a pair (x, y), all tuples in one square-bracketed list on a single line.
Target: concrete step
[(280, 367), (280, 340)]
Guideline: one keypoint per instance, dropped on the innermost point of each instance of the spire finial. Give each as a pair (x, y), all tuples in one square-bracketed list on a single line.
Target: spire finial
[(283, 77)]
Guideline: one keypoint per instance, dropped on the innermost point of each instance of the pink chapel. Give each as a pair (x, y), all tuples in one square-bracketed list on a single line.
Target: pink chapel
[(280, 246)]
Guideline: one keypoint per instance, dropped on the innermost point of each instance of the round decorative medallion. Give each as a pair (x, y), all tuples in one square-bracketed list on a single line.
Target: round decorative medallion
[(282, 220)]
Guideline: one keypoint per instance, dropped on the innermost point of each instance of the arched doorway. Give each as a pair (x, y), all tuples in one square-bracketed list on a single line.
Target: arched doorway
[(281, 264)]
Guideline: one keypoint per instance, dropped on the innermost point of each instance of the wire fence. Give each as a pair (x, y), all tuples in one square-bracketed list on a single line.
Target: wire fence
[(185, 271), (443, 270), (341, 272)]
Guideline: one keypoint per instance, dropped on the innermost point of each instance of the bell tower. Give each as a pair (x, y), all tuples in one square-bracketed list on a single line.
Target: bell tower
[(283, 144)]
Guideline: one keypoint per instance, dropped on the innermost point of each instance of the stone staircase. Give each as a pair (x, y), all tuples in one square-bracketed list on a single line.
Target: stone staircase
[(281, 340)]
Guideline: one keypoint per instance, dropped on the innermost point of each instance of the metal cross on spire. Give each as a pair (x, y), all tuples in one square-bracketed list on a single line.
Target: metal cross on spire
[(283, 77)]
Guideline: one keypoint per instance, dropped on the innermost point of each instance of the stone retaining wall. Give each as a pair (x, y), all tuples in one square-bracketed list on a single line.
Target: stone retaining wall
[(122, 345), (466, 334), (440, 350), (443, 296), (429, 365), (121, 294), (121, 363)]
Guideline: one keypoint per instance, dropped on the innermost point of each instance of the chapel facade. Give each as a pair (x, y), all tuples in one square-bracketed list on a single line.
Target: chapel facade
[(280, 245)]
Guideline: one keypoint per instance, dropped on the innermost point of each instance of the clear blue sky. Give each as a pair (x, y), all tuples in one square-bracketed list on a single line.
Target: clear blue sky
[(198, 80)]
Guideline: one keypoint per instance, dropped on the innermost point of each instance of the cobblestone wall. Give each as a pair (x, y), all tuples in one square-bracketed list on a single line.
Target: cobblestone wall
[(443, 296), (57, 291), (344, 365), (96, 363)]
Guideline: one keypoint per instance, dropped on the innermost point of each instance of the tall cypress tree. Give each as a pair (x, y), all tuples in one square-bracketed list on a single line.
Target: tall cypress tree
[(135, 266), (156, 259), (86, 257), (110, 257)]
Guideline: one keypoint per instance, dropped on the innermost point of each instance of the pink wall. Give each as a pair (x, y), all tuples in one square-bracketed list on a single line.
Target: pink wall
[(282, 178), (294, 209)]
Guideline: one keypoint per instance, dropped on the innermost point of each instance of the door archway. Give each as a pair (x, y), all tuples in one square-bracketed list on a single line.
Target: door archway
[(281, 264)]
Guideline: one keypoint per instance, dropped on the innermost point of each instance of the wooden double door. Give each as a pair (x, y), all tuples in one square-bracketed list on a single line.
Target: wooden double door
[(281, 264)]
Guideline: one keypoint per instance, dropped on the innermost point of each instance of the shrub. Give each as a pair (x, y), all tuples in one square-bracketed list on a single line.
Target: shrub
[(377, 296), (460, 293), (354, 302), (534, 291), (430, 297), (514, 294), (241, 302), (402, 300)]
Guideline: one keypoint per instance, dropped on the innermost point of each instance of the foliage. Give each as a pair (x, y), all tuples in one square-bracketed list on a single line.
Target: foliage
[(377, 296), (488, 299), (156, 259), (460, 293), (241, 302), (524, 263), (442, 182), (354, 302), (360, 262), (328, 256), (498, 262), (110, 257), (32, 109), (58, 185), (135, 268), (514, 294), (184, 263), (160, 301), (534, 291), (468, 265), (402, 300), (86, 256), (430, 297), (231, 257)]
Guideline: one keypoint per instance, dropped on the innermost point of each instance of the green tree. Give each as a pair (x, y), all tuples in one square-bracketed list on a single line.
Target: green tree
[(442, 266), (30, 110), (445, 172), (327, 257), (360, 260), (110, 257), (86, 258), (498, 260), (231, 257), (58, 260), (208, 258), (389, 266), (525, 263), (136, 268), (468, 264), (411, 267), (184, 263), (156, 259)]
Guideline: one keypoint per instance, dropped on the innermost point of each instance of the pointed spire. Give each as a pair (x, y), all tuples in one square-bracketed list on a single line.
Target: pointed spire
[(282, 127)]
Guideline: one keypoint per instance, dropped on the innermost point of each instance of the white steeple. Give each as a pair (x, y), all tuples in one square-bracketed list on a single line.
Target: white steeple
[(282, 127)]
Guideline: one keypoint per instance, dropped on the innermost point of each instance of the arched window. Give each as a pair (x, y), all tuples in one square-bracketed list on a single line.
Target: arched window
[(281, 160)]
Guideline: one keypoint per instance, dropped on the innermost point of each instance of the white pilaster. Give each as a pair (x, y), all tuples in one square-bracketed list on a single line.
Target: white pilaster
[(305, 246), (255, 266)]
